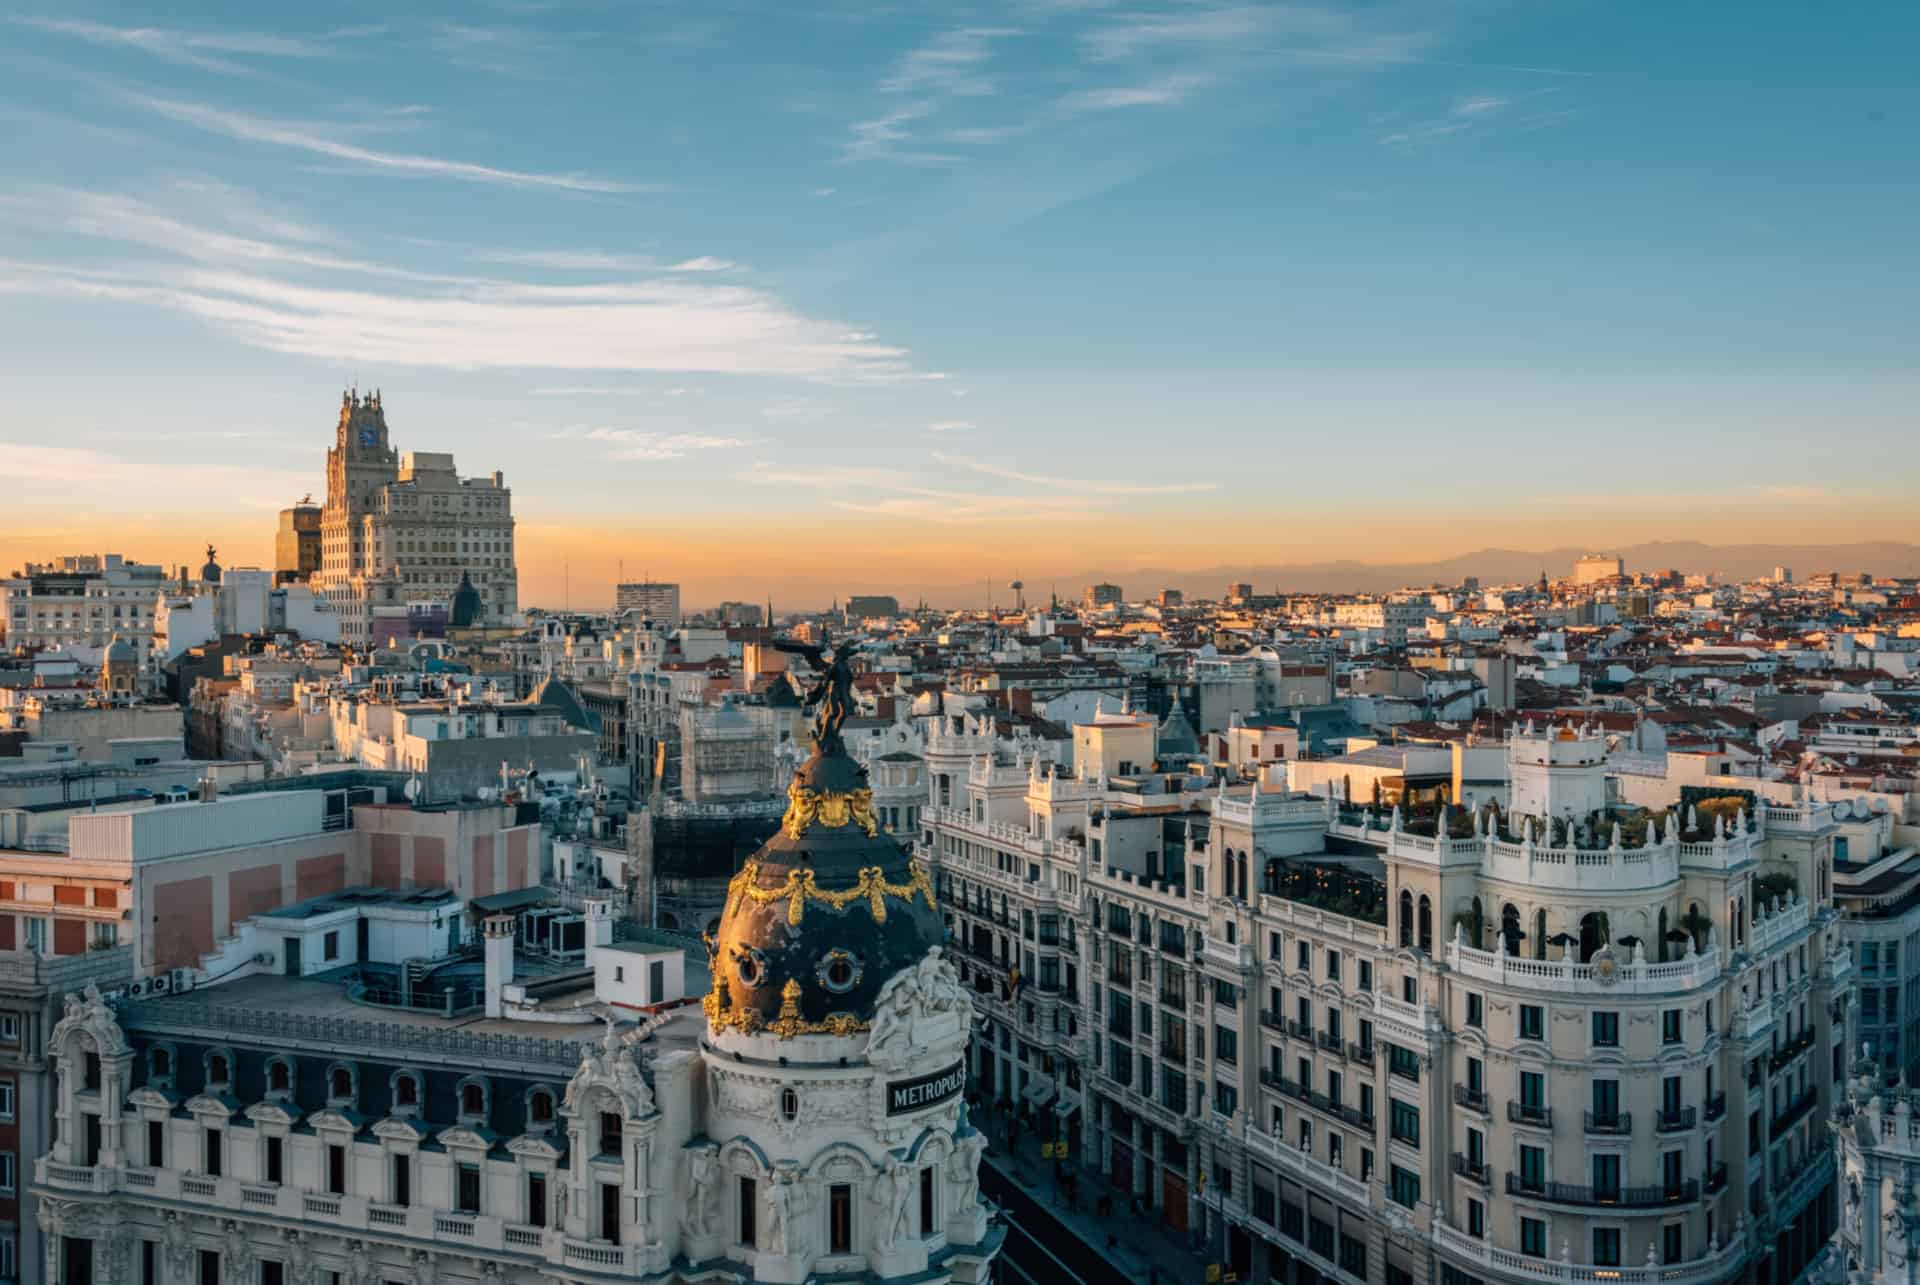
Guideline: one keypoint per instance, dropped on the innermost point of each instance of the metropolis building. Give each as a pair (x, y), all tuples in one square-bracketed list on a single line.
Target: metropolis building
[(803, 1120), (1332, 1045)]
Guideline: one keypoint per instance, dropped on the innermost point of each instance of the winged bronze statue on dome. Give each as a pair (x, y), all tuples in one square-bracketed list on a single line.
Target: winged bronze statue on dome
[(831, 695)]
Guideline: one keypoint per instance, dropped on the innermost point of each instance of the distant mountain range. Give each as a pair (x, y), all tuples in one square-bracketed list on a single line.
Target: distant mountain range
[(1493, 566)]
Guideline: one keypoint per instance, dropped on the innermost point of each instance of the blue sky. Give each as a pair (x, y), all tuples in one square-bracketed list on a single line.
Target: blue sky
[(963, 285)]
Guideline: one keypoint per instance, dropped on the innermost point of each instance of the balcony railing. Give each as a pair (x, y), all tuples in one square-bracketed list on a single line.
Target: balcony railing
[(1800, 1044), (1361, 1053), (1563, 1193), (1330, 1042), (1272, 1079), (1298, 1029), (1614, 1122), (1272, 1020), (1522, 1113), (1466, 1168), (1716, 1107), (1675, 1120), (1717, 1180), (1794, 1113)]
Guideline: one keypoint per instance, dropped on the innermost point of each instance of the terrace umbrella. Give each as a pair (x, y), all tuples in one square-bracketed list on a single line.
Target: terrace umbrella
[(1629, 941), (1563, 939), (1678, 935)]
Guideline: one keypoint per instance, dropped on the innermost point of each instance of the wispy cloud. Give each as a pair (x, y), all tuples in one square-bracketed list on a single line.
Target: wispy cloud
[(951, 426), (200, 49), (313, 138), (259, 291), (896, 493), (1476, 112), (703, 263), (1161, 92), (950, 66), (1071, 483), (644, 444), (512, 52)]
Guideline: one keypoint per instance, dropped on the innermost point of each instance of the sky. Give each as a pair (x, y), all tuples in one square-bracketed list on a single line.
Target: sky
[(801, 300)]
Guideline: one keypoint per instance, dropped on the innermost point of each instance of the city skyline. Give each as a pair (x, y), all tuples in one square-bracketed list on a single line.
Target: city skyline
[(975, 292)]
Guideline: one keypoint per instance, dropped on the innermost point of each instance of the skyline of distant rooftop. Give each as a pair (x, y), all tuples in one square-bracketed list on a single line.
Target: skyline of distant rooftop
[(975, 291)]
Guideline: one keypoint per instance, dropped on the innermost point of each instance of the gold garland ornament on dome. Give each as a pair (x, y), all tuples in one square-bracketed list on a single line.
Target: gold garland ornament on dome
[(831, 809), (721, 1014), (800, 888)]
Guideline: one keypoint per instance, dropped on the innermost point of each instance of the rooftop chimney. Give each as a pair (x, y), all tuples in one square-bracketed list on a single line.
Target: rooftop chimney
[(599, 913), (499, 951)]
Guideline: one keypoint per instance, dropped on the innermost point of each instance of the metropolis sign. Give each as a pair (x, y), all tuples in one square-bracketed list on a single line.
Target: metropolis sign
[(925, 1090)]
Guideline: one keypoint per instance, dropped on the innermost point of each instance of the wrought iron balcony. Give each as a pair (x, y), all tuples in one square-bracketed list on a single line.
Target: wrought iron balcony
[(1361, 1053), (1521, 1113), (1272, 1020), (1564, 1193), (1716, 1107), (1717, 1180), (1795, 1112), (1472, 1172), (1471, 1099), (1675, 1120), (1614, 1122), (1298, 1029)]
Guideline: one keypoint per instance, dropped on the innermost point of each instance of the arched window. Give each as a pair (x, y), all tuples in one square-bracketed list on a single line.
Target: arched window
[(1661, 955), (340, 1084), (279, 1076), (1593, 933), (1740, 923), (1477, 928), (219, 1070), (1426, 924), (1539, 934), (406, 1090), (1510, 927), (473, 1098), (160, 1063), (540, 1107), (1406, 918)]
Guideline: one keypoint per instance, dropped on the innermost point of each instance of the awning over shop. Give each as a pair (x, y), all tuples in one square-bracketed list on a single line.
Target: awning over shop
[(1065, 1107), (1039, 1092)]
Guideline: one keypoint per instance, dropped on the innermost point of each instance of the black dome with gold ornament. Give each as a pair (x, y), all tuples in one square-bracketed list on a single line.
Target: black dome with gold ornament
[(830, 907)]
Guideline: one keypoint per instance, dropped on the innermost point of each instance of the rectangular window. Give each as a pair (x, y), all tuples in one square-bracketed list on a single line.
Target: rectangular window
[(6, 1099), (1606, 1246), (1533, 1167), (211, 1155), (337, 1169), (1404, 1187), (403, 1180), (1333, 968), (1606, 1030), (156, 1144), (1404, 1122), (1476, 1220), (1366, 974), (1533, 1090), (1670, 1026), (1226, 1045), (467, 1198), (1404, 1063), (536, 1200), (1533, 1237), (7, 1176), (330, 946), (1476, 1012), (1671, 1243), (275, 1148), (926, 1202), (1533, 1022), (609, 1133), (749, 1202), (1606, 1174), (840, 1219)]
